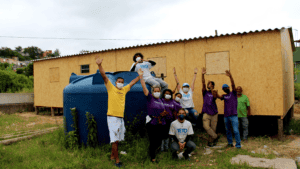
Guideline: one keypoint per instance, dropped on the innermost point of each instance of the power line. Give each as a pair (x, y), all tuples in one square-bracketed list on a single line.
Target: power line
[(75, 38)]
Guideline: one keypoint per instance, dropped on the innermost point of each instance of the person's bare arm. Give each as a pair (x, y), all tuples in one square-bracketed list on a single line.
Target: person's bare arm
[(194, 79), (101, 70), (177, 81), (145, 90), (134, 81), (203, 80), (231, 79), (248, 109)]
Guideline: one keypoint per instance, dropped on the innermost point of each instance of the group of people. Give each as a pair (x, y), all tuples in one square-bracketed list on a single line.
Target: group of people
[(171, 121)]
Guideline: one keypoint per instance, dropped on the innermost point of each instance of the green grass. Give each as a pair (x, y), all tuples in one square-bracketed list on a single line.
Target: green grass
[(47, 151), (14, 124)]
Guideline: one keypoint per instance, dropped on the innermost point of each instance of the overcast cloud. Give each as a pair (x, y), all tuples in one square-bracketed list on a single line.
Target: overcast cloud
[(124, 19)]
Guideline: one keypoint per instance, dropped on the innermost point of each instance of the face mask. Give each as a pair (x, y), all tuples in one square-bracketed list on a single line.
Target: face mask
[(181, 117), (120, 85), (138, 59), (227, 91), (177, 99), (185, 89), (239, 93), (168, 96), (156, 94)]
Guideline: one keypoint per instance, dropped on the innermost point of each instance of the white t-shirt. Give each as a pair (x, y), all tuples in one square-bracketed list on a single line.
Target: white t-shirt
[(187, 99), (145, 66), (181, 130)]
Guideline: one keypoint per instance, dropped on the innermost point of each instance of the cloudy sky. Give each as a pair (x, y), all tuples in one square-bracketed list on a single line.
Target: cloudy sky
[(133, 22)]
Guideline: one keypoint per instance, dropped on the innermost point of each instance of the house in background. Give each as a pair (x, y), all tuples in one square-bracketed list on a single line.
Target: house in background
[(296, 59), (46, 53)]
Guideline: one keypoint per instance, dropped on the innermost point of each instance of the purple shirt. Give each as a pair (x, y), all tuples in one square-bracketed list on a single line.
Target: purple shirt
[(170, 107), (230, 103), (209, 104), (155, 107), (178, 106)]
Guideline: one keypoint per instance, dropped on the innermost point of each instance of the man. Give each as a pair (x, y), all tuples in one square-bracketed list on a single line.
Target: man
[(181, 131), (243, 110), (210, 110), (145, 66), (230, 112), (115, 112)]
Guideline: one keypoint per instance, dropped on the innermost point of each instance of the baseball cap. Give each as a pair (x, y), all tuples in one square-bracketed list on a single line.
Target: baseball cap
[(224, 85), (186, 84)]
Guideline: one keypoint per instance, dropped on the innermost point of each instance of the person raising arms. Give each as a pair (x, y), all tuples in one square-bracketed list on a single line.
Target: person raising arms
[(115, 111), (187, 97)]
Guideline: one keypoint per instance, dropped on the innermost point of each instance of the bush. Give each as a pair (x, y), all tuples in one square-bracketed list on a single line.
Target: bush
[(5, 81), (20, 71), (12, 82), (297, 91)]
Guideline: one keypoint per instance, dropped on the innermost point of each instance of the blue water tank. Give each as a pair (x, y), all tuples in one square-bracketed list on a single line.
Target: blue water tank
[(89, 94)]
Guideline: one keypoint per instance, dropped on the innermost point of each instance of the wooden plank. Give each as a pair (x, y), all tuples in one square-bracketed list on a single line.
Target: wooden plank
[(52, 112), (160, 67), (280, 129), (37, 110), (217, 62)]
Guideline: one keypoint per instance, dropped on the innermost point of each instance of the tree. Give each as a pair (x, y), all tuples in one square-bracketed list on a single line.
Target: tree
[(29, 70), (19, 49), (20, 71), (56, 53), (34, 52)]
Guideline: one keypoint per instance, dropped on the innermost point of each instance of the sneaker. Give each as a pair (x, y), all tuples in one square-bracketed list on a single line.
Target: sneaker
[(230, 145), (217, 139), (118, 164), (187, 157)]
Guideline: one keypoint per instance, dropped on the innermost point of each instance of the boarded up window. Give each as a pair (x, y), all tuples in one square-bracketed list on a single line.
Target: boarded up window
[(85, 68), (217, 62), (160, 67), (54, 74)]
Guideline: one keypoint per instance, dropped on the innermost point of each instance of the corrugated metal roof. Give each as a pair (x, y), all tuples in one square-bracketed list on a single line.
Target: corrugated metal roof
[(175, 41)]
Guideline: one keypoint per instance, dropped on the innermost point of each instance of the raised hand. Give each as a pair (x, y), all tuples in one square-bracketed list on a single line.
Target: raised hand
[(214, 93), (228, 73), (196, 70), (99, 61), (174, 71), (203, 70), (140, 72)]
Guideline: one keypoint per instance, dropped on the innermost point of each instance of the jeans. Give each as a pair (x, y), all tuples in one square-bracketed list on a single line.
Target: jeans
[(193, 115), (232, 121), (210, 125), (165, 136), (155, 137), (153, 81), (244, 123), (190, 146), (165, 144)]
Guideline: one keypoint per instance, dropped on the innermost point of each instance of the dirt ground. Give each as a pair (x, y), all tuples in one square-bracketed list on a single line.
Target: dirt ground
[(42, 119)]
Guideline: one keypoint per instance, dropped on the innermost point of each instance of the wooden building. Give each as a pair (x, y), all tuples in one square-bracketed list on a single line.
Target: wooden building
[(260, 61)]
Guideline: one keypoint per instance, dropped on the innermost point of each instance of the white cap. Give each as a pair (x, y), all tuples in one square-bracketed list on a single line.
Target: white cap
[(185, 84)]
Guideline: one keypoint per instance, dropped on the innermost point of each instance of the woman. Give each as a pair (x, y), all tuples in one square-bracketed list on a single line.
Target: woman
[(187, 97), (171, 108), (156, 110)]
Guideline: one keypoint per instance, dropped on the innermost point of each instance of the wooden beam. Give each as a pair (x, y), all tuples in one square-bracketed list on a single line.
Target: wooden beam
[(280, 129), (37, 110), (52, 112)]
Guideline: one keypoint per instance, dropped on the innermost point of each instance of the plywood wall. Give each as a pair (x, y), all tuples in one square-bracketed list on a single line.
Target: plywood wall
[(255, 61), (287, 70)]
